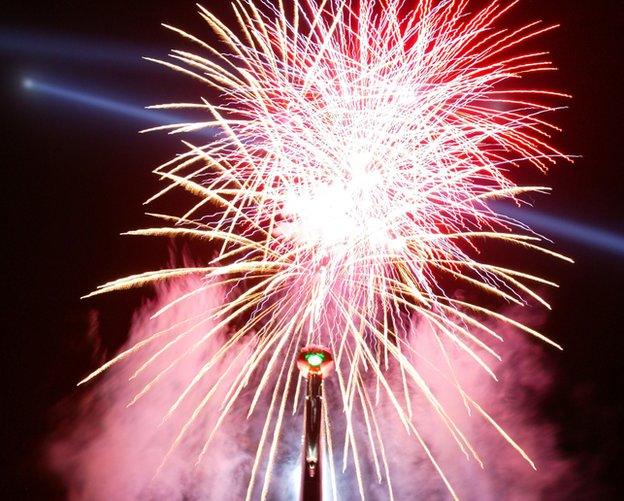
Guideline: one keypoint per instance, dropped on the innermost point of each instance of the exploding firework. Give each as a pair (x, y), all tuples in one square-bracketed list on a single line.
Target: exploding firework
[(354, 149)]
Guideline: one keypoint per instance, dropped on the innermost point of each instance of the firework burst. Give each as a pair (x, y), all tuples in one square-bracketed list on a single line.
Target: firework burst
[(356, 148)]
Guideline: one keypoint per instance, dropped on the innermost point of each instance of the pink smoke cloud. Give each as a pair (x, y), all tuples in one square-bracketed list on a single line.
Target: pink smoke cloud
[(513, 400), (113, 451)]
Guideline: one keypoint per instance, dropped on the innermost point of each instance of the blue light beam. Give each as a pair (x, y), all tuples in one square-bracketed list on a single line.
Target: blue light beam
[(569, 230), (18, 42), (99, 102)]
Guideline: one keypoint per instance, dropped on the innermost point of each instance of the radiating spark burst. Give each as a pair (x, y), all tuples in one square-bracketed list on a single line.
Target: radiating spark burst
[(359, 146)]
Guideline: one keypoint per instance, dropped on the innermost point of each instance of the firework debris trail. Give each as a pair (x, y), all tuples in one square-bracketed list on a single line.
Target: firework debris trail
[(358, 146)]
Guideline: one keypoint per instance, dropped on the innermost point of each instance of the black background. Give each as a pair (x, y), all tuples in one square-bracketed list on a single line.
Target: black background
[(73, 178)]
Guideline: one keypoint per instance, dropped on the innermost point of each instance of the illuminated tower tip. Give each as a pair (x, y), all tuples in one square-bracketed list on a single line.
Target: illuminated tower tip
[(314, 359), (315, 363)]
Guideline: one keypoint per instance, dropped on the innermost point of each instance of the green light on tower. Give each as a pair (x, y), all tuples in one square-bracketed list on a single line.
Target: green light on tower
[(315, 359)]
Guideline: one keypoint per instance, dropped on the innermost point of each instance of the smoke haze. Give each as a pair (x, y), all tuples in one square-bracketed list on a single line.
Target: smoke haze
[(113, 451)]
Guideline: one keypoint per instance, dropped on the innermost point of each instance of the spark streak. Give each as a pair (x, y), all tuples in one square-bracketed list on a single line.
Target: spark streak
[(360, 144)]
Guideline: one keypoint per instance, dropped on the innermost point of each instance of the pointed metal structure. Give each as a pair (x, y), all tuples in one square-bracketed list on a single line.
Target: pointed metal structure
[(315, 363)]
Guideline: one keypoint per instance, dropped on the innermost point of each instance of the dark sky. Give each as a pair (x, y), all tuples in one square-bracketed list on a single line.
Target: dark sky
[(75, 178)]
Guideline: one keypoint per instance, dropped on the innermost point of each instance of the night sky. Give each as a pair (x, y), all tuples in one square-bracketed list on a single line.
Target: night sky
[(75, 177)]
